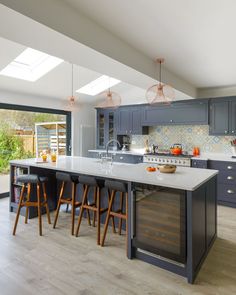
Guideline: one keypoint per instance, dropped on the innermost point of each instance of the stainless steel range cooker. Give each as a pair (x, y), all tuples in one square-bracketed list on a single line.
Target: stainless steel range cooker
[(159, 158)]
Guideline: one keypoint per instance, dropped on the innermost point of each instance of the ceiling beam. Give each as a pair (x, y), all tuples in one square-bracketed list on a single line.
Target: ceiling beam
[(79, 40)]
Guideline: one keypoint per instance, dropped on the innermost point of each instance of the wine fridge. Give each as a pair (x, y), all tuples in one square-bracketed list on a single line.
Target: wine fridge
[(159, 221)]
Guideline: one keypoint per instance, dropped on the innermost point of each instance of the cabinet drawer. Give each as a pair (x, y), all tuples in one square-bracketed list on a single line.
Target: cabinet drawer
[(227, 193), (227, 177), (221, 165), (133, 159), (199, 164)]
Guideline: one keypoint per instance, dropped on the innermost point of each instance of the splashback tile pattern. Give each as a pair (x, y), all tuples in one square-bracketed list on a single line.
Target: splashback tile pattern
[(189, 136)]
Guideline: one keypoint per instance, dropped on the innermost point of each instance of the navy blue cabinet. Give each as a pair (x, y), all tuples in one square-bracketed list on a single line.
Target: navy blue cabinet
[(129, 121), (226, 182), (195, 163), (178, 113), (223, 116), (106, 126)]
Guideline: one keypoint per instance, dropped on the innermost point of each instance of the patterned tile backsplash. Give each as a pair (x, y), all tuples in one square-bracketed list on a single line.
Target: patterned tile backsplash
[(189, 136)]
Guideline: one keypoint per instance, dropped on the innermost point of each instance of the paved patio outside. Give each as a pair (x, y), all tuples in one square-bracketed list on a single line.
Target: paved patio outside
[(4, 183)]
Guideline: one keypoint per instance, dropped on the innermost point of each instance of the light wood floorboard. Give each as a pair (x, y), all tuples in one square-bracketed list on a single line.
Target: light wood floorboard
[(59, 264)]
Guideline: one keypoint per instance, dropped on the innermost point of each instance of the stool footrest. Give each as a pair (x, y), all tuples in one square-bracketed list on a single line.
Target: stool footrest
[(33, 204), (117, 214), (93, 208)]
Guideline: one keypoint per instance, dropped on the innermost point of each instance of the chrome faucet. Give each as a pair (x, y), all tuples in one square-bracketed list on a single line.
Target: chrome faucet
[(110, 141)]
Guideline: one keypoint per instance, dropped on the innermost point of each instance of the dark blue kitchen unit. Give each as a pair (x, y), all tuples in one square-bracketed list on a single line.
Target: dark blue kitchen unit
[(173, 229)]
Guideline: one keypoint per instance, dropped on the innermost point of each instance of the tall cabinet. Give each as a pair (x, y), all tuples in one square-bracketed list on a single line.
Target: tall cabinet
[(105, 127)]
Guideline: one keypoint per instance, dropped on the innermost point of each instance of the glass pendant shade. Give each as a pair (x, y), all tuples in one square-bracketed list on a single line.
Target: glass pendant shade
[(71, 102), (112, 100), (160, 93)]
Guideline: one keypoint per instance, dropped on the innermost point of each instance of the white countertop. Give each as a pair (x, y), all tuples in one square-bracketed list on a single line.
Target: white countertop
[(184, 178), (133, 152), (215, 157), (203, 156)]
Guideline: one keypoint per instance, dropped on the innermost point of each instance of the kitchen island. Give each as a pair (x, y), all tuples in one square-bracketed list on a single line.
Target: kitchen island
[(172, 217)]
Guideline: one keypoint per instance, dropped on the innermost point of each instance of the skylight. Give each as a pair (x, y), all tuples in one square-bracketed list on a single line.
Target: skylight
[(31, 65), (97, 86)]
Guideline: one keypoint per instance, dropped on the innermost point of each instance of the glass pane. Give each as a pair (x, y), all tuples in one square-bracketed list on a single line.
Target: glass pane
[(26, 135), (111, 126)]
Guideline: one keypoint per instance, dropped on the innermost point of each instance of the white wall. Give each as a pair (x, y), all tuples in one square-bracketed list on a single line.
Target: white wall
[(83, 116)]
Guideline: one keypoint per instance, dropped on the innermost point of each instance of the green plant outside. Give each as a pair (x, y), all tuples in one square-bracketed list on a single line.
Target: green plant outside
[(11, 147)]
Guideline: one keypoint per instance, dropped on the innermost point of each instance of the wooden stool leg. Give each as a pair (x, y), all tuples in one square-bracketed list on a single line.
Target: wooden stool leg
[(95, 202), (126, 213), (81, 210), (18, 209), (98, 216), (39, 210), (59, 203), (121, 210), (73, 207), (108, 217), (27, 200), (46, 200), (112, 217)]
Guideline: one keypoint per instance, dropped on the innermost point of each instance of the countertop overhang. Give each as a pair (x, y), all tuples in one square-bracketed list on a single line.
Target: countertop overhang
[(184, 178)]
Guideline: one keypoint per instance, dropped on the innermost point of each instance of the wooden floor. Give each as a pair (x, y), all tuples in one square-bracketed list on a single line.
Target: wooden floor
[(58, 263)]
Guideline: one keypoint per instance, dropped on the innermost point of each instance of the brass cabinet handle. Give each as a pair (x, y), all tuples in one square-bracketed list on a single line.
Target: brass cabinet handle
[(121, 158), (229, 167), (230, 177), (229, 191)]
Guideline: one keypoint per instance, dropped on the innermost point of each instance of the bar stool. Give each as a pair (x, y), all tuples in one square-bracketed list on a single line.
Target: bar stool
[(65, 178), (27, 181), (113, 188), (90, 182)]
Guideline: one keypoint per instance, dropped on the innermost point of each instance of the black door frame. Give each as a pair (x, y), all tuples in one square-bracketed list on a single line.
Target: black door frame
[(17, 107)]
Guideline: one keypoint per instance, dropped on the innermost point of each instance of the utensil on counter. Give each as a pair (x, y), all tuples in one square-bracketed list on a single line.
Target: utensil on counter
[(147, 150), (167, 168)]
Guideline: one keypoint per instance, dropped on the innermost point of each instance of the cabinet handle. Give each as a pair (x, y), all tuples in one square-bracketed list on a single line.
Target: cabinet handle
[(130, 131), (230, 177), (229, 167), (232, 131), (121, 158), (171, 121), (226, 131), (230, 191)]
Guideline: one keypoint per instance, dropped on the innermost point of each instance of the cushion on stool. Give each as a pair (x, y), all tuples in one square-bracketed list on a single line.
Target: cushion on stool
[(116, 185), (66, 177), (43, 178), (90, 180), (28, 178)]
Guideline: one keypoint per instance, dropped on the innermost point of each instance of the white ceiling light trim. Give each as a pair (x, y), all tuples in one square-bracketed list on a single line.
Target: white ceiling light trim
[(97, 86), (31, 65)]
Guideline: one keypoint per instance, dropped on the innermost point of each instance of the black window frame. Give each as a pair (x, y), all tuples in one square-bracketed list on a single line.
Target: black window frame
[(25, 108)]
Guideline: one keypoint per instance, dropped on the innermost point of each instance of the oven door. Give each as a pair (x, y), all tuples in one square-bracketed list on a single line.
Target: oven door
[(160, 221)]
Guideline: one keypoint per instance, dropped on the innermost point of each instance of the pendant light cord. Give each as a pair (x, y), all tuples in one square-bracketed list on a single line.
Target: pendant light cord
[(72, 80), (160, 72)]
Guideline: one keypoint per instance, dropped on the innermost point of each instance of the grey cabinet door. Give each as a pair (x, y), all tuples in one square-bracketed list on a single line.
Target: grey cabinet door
[(178, 113), (219, 118), (136, 127), (190, 113), (157, 115), (123, 121), (233, 117)]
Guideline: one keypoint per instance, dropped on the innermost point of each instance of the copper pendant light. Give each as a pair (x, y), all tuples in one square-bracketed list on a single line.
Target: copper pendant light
[(71, 104), (111, 100), (160, 93)]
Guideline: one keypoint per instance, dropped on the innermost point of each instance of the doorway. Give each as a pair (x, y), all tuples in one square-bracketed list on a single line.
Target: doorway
[(26, 131)]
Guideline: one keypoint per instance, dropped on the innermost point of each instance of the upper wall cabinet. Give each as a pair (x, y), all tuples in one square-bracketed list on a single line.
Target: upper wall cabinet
[(223, 116), (106, 121), (129, 121), (178, 113)]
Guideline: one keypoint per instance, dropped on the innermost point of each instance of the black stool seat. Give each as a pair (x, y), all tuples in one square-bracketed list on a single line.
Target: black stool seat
[(31, 178), (116, 186), (66, 177), (90, 181)]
